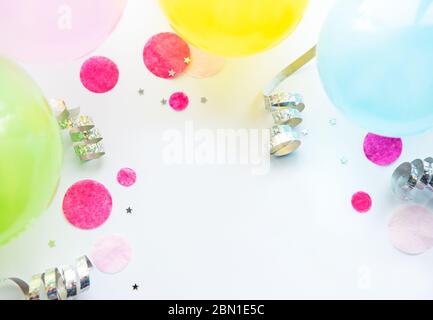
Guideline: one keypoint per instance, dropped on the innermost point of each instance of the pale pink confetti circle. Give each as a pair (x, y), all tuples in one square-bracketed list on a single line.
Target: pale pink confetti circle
[(411, 229), (179, 101), (382, 151), (99, 74), (126, 177), (87, 204), (361, 202), (204, 64), (166, 55), (111, 254)]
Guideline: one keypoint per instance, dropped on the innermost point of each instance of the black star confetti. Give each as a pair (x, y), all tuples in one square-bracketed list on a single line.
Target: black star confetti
[(129, 210), (135, 287), (164, 102), (141, 92), (204, 100)]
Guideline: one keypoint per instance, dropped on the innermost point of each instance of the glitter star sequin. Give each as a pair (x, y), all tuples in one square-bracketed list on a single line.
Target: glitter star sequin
[(333, 122), (164, 55)]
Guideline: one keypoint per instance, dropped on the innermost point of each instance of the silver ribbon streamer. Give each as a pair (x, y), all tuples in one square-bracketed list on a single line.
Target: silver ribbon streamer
[(85, 137), (286, 109), (413, 176), (61, 283)]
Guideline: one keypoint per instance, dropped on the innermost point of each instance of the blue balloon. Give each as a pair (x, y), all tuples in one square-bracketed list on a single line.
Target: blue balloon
[(375, 59)]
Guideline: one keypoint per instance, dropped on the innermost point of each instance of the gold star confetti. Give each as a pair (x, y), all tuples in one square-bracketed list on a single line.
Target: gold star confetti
[(164, 102), (171, 73), (204, 100), (187, 60), (51, 243), (141, 92)]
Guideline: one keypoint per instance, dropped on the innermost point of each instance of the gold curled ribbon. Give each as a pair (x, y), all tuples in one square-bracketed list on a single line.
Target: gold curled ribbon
[(286, 109), (290, 70), (62, 283), (85, 137)]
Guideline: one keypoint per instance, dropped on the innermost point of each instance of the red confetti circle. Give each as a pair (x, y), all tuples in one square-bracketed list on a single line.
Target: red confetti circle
[(166, 55), (361, 202), (126, 177), (382, 151), (179, 101), (87, 204), (99, 74)]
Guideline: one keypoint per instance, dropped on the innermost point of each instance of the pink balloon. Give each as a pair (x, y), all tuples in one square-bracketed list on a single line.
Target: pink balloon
[(56, 30)]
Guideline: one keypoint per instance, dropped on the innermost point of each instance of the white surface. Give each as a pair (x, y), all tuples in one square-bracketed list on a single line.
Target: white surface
[(201, 232)]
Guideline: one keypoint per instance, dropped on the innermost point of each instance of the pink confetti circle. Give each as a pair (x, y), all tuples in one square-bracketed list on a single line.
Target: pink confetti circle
[(204, 64), (166, 55), (111, 254), (411, 229), (99, 74), (87, 204), (126, 177), (179, 101), (361, 202), (382, 151)]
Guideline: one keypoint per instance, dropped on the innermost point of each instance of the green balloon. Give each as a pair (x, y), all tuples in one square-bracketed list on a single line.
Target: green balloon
[(30, 151)]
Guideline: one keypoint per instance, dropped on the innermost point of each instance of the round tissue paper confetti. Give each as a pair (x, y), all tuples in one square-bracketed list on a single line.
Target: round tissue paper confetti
[(111, 254), (87, 204), (204, 64), (361, 202), (382, 151), (126, 177), (179, 101), (166, 55), (411, 229), (99, 74)]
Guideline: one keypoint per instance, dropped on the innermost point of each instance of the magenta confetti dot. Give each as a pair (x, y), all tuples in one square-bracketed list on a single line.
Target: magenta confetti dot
[(382, 151), (111, 254), (87, 204), (179, 101), (99, 74), (411, 229), (164, 55), (126, 177), (361, 202)]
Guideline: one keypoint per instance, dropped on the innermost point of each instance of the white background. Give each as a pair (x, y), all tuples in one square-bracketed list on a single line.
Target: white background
[(201, 232)]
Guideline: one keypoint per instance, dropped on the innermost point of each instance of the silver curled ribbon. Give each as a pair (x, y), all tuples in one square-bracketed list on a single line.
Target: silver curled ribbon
[(286, 109), (85, 137), (63, 283), (410, 177)]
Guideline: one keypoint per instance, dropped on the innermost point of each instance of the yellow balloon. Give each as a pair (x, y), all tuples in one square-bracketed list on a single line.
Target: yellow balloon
[(234, 27)]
